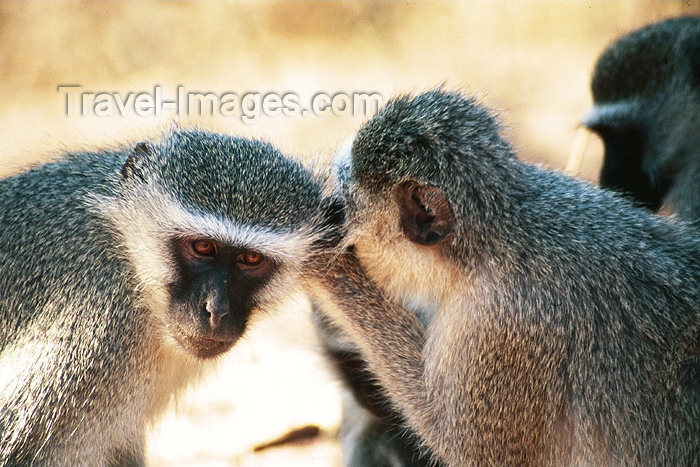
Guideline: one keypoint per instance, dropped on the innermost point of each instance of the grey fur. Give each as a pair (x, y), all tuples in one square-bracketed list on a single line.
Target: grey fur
[(372, 432), (566, 328), (85, 363)]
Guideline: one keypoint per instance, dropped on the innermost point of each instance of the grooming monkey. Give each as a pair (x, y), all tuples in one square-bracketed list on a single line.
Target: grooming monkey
[(564, 323), (123, 272), (646, 92), (643, 84)]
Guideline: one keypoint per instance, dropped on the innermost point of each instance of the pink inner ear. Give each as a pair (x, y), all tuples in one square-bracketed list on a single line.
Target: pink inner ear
[(425, 216)]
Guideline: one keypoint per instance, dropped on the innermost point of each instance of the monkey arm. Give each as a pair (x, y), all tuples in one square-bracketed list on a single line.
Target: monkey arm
[(457, 404), (390, 337)]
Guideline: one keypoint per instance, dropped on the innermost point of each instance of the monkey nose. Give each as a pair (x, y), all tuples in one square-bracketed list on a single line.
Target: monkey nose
[(216, 312)]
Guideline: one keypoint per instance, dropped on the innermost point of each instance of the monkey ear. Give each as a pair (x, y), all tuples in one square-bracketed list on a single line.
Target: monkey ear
[(425, 215), (133, 167)]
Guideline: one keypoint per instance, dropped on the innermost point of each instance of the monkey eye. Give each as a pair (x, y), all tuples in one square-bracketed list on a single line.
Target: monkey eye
[(250, 258), (203, 248), (254, 264)]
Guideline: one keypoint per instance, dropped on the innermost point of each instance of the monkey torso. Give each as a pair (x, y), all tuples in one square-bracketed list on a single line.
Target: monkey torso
[(81, 370), (565, 321), (582, 331)]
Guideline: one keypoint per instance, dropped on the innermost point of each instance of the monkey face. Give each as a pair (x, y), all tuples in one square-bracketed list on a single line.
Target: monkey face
[(646, 93), (213, 227), (629, 164), (213, 293)]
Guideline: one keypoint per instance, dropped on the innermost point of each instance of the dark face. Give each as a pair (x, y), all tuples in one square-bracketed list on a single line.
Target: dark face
[(214, 294), (623, 166)]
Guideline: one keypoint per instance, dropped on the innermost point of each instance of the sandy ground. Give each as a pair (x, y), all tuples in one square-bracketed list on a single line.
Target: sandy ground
[(530, 59)]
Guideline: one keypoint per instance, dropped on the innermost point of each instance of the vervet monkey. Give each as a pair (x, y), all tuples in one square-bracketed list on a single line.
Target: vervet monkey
[(646, 93), (564, 323), (124, 272)]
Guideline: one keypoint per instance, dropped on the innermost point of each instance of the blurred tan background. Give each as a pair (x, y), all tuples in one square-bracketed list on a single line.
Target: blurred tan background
[(531, 60)]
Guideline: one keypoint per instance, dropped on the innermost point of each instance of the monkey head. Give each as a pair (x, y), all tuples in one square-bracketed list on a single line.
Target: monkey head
[(646, 93), (403, 180), (216, 227)]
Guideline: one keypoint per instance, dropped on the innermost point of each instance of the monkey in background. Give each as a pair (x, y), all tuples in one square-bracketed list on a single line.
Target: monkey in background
[(124, 272), (646, 93), (564, 323)]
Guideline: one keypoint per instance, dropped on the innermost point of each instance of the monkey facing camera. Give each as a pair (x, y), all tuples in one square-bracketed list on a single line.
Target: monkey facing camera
[(646, 93), (562, 323), (124, 272)]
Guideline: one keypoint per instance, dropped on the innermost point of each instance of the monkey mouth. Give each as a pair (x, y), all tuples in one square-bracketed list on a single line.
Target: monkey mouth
[(203, 346)]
